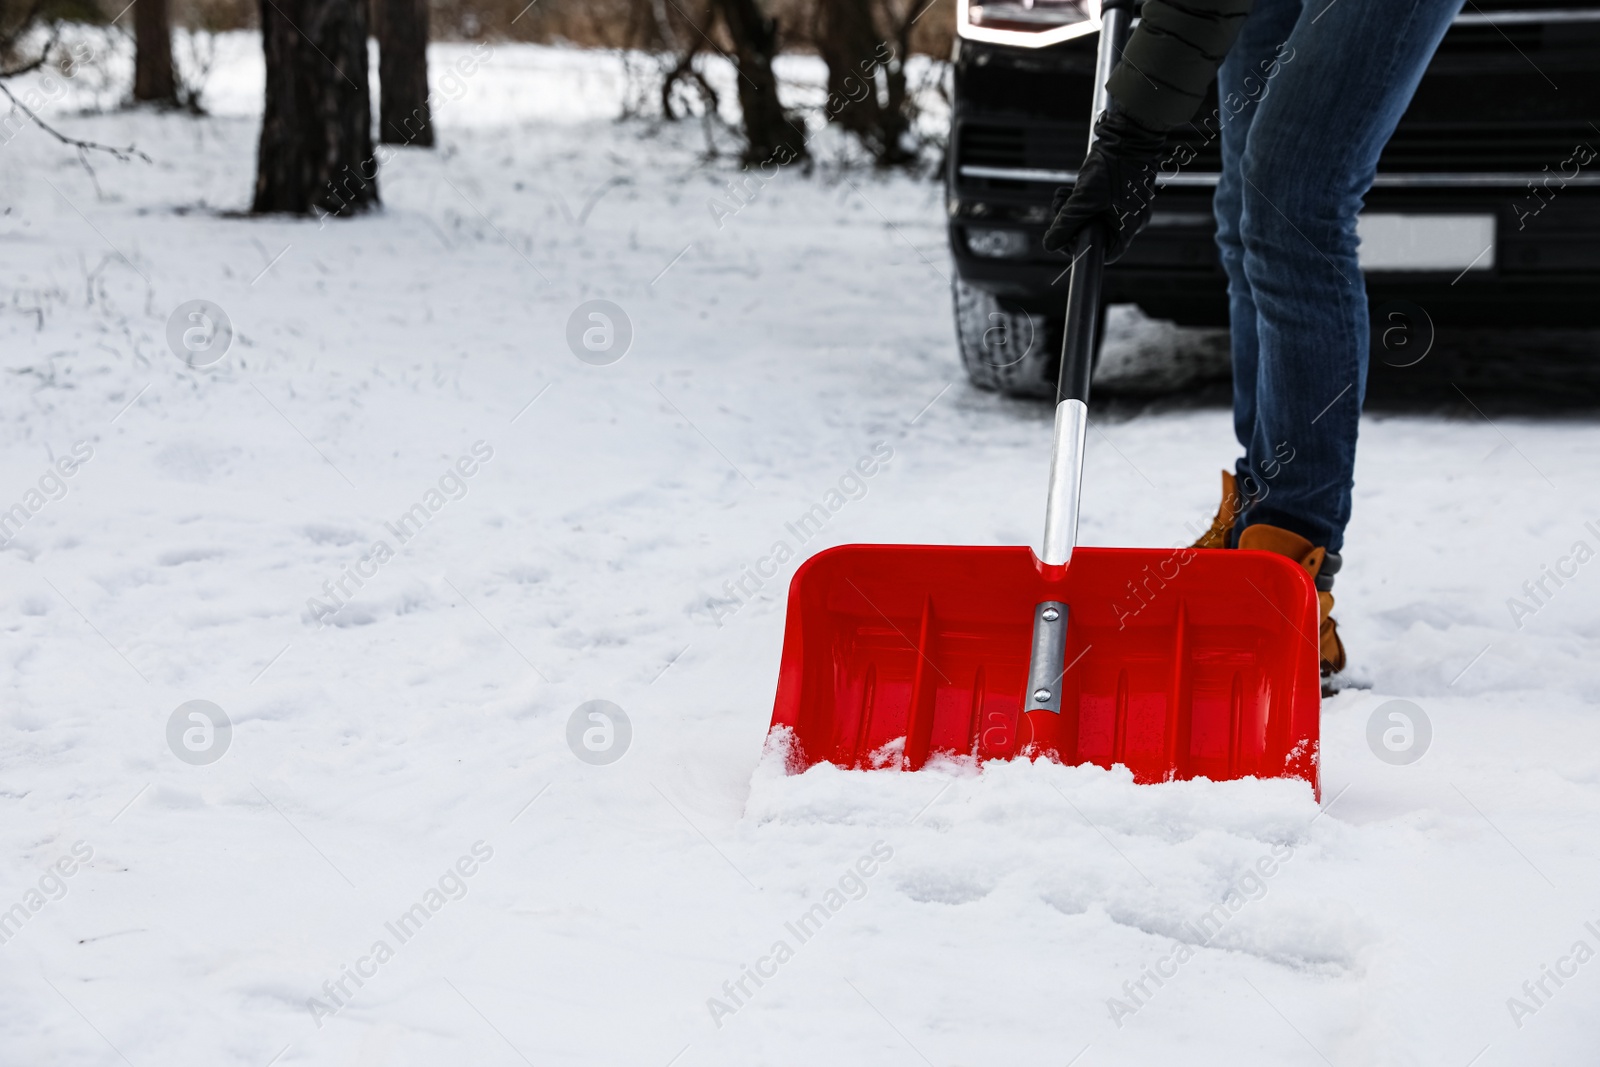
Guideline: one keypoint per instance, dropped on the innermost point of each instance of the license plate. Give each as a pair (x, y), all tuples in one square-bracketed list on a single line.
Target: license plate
[(1426, 242)]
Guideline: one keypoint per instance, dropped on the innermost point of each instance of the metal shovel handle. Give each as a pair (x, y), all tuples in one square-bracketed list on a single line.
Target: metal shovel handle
[(1080, 337)]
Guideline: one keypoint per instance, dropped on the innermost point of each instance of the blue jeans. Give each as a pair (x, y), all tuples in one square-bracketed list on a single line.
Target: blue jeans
[(1311, 93)]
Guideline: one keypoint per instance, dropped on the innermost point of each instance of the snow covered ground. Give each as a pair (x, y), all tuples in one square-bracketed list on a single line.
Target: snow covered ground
[(398, 772)]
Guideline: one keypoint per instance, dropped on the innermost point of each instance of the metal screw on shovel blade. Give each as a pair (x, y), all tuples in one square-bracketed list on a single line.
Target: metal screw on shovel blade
[(1041, 695), (1049, 615)]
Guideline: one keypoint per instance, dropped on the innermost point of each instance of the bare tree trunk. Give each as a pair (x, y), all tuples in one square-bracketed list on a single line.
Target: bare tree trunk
[(316, 130), (866, 75), (403, 113), (152, 56), (769, 132)]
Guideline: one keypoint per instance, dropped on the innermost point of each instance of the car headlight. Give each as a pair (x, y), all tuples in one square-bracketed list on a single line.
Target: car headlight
[(998, 244), (1028, 23)]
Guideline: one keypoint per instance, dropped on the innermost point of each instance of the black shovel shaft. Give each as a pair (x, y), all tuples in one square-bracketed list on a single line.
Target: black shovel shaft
[(1081, 337)]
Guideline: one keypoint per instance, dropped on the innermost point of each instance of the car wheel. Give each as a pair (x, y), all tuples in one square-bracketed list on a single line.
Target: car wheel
[(1005, 347)]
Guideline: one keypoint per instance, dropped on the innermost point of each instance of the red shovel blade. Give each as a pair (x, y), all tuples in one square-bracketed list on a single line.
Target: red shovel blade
[(1180, 663)]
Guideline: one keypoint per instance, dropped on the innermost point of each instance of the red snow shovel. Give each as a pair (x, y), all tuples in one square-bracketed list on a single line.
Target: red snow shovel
[(1176, 663)]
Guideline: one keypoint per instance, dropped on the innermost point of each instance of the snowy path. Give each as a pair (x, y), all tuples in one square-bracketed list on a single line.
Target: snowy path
[(974, 918)]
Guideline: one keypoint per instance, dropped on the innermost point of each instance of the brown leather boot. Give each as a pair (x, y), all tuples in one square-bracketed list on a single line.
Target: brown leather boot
[(1227, 512), (1287, 543)]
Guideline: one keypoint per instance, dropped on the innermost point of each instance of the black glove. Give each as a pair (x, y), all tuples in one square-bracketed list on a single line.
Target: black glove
[(1115, 186)]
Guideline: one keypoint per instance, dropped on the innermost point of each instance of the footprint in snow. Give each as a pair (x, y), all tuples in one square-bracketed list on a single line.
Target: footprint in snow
[(178, 556), (319, 534), (941, 887)]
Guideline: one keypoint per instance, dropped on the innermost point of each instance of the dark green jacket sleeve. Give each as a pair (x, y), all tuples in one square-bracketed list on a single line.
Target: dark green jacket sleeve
[(1172, 58)]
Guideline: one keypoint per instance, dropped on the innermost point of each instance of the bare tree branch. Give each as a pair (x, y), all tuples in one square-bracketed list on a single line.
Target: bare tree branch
[(81, 145)]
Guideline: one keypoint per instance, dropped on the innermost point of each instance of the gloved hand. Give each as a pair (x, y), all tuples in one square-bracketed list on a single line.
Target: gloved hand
[(1115, 186)]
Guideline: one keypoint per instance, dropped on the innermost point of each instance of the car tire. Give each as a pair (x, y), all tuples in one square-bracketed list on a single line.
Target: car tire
[(1006, 347)]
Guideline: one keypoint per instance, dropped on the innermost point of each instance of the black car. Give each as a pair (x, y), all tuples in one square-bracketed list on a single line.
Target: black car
[(1486, 209)]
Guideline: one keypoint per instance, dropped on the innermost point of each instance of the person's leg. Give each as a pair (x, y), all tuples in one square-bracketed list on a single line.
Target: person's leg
[(1245, 77), (1312, 150)]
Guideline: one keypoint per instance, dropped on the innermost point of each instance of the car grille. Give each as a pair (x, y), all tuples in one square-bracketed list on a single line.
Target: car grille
[(1508, 97), (1022, 147), (1523, 148)]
